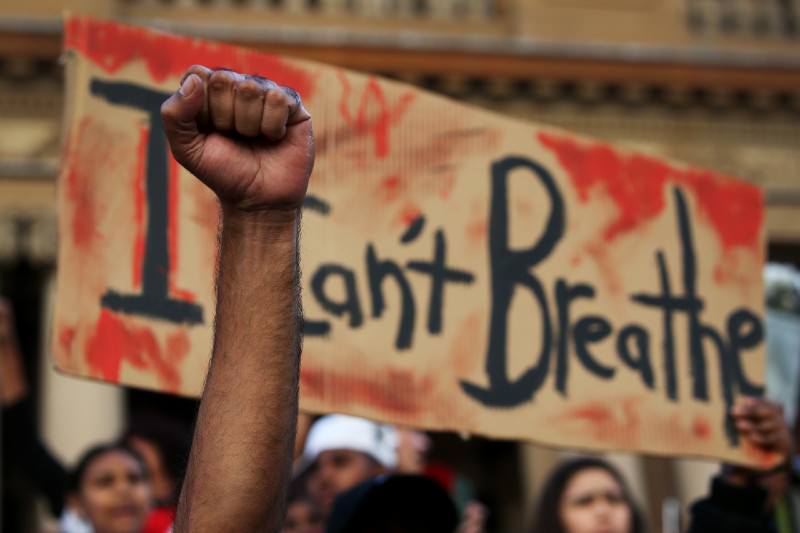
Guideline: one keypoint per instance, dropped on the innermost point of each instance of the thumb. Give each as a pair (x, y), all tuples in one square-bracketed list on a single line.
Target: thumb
[(179, 117)]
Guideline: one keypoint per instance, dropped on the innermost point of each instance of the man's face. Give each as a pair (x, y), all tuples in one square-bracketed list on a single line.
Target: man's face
[(336, 471)]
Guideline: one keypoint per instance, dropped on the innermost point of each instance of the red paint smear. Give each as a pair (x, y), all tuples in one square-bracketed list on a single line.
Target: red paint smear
[(734, 208), (596, 413), (390, 188), (701, 429), (607, 268), (606, 424), (81, 195), (719, 274), (139, 207), (177, 346), (409, 214), (730, 271), (83, 217), (172, 231), (113, 342), (381, 119), (477, 231), (66, 336), (395, 392), (447, 186), (636, 183), (760, 457), (112, 46)]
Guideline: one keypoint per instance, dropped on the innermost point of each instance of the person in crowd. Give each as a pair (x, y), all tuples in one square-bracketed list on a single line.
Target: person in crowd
[(302, 513), (161, 444), (23, 451), (587, 495), (398, 503), (343, 451), (112, 488), (164, 445), (413, 447), (746, 499)]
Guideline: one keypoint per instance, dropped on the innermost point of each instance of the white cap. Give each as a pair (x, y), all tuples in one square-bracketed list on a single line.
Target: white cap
[(342, 432)]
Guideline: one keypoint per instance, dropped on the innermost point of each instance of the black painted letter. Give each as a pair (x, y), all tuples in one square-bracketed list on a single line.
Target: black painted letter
[(509, 269)]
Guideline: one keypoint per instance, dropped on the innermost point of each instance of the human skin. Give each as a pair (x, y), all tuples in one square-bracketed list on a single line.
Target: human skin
[(594, 502), (251, 142), (114, 493), (336, 471)]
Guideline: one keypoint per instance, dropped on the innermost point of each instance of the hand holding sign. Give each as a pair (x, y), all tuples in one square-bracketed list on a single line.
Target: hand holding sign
[(245, 137), (761, 422)]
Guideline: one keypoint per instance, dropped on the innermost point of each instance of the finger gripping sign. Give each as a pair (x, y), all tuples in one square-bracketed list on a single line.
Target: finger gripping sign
[(461, 270)]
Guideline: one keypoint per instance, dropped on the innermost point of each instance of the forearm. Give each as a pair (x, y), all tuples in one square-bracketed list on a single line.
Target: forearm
[(238, 470)]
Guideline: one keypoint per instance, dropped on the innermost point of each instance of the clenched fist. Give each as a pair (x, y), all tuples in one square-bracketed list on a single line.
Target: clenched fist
[(245, 137)]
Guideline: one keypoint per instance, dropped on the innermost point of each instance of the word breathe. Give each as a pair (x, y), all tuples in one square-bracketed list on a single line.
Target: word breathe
[(513, 270)]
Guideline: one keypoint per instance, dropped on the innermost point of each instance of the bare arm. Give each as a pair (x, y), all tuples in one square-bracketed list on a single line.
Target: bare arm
[(256, 153)]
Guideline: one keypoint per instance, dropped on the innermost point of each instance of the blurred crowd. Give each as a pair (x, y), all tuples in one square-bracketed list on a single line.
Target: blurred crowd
[(355, 475)]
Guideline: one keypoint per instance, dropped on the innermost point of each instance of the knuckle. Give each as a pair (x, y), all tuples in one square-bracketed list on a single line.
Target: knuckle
[(293, 95), (276, 98), (220, 80), (195, 69), (263, 82), (249, 90)]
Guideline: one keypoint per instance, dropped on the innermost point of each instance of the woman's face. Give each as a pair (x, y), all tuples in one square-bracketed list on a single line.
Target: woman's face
[(114, 493), (302, 517), (593, 502), (161, 483)]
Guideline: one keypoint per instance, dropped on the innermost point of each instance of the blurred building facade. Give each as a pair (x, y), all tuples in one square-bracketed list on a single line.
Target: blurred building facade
[(712, 82)]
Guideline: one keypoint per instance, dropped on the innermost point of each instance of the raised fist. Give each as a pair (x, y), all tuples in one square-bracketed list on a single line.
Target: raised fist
[(245, 137)]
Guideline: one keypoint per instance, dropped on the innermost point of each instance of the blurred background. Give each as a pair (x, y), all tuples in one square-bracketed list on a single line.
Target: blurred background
[(711, 82)]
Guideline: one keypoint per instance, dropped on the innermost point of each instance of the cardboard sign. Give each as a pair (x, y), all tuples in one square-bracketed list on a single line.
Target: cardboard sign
[(461, 270)]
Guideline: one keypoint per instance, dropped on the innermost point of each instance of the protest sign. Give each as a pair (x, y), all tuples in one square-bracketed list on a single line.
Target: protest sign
[(461, 270)]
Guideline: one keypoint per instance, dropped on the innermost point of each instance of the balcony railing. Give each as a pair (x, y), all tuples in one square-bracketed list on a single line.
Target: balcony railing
[(443, 10), (762, 19)]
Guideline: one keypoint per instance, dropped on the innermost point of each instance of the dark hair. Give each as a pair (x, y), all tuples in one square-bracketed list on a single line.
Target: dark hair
[(548, 518), (298, 487), (398, 503), (172, 439), (78, 473)]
